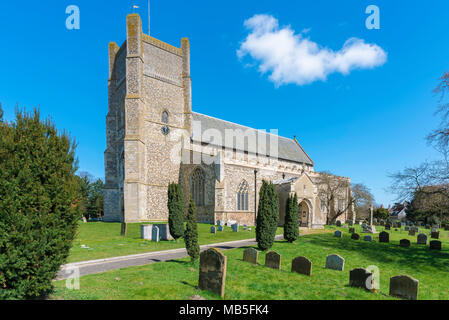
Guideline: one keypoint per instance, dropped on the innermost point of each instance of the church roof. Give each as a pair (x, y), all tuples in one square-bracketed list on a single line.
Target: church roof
[(288, 149)]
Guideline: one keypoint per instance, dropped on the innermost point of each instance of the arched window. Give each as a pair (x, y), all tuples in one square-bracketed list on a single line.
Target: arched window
[(242, 197), (197, 187), (165, 117)]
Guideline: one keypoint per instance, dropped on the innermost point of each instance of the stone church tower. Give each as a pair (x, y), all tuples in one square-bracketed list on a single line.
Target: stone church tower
[(149, 104)]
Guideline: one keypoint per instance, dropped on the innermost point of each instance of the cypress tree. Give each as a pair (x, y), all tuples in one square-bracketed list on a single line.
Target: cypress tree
[(39, 205), (267, 216), (176, 215), (291, 226), (191, 235)]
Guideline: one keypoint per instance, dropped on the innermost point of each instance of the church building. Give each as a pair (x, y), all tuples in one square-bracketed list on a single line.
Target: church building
[(155, 138)]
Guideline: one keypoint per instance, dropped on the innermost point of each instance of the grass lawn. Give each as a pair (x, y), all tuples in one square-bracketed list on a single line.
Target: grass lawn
[(178, 279), (98, 240)]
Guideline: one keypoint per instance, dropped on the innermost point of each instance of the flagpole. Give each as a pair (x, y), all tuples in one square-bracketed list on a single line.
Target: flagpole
[(149, 17)]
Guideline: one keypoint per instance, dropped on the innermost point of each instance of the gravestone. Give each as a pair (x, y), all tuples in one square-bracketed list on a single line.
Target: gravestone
[(124, 229), (351, 223), (368, 238), (213, 230), (302, 265), (404, 287), (338, 234), (219, 223), (339, 223), (382, 223), (387, 227), (361, 278), (411, 232), (235, 227), (407, 228), (273, 260), (351, 230), (251, 255), (164, 232), (405, 243), (435, 245), (384, 237), (446, 228), (335, 262), (245, 227), (146, 231), (155, 234), (213, 271), (422, 239), (355, 236), (435, 235), (364, 225), (220, 228), (345, 227)]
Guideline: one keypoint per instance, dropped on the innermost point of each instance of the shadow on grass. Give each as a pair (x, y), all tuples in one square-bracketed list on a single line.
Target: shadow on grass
[(386, 252)]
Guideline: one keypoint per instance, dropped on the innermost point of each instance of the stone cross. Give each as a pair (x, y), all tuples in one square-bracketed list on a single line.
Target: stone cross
[(213, 271)]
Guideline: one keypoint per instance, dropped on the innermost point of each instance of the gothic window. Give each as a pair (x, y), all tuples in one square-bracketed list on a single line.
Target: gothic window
[(165, 117), (197, 187), (242, 197)]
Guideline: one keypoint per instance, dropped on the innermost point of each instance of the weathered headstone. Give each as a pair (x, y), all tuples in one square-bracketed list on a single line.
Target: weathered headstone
[(435, 235), (338, 234), (387, 227), (335, 262), (219, 223), (384, 237), (251, 255), (405, 243), (124, 229), (302, 265), (407, 228), (355, 236), (435, 245), (446, 228), (273, 260), (213, 271), (213, 230), (382, 223), (245, 227), (220, 228), (338, 223), (351, 223), (422, 239), (368, 238), (404, 287), (411, 232), (155, 234), (361, 278), (235, 227), (351, 230), (146, 231)]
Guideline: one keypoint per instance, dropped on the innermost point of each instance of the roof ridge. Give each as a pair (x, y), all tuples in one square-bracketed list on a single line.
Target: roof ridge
[(241, 125)]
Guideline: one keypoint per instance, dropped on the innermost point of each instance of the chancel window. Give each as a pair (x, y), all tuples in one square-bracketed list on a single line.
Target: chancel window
[(197, 187), (242, 197), (165, 117)]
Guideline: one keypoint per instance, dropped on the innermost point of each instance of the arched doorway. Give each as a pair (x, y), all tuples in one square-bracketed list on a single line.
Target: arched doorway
[(304, 214)]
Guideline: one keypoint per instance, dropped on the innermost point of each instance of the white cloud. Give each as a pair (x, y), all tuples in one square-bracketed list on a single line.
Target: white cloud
[(293, 58)]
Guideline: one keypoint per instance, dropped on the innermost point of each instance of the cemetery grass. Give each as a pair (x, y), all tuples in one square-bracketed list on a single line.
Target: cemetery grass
[(177, 280), (99, 240)]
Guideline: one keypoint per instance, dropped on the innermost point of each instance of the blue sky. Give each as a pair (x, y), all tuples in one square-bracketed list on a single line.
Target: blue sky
[(363, 124)]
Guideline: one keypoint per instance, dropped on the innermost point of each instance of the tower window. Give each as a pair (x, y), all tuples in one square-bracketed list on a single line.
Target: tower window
[(197, 187), (165, 117), (242, 197)]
